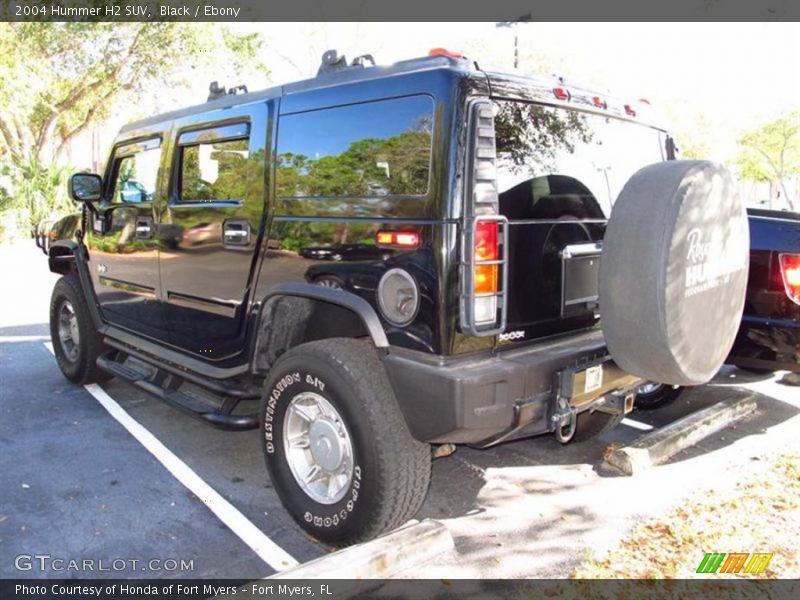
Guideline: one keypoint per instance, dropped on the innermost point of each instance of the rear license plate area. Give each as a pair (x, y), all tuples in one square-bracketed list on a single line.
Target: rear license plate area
[(583, 384)]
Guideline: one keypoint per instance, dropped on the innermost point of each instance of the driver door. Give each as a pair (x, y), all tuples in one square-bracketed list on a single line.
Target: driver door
[(122, 245)]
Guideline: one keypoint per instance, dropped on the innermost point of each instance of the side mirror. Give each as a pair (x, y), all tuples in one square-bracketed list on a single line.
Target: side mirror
[(85, 187)]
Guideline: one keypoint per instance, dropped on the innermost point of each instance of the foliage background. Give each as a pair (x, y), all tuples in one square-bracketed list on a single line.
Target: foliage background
[(57, 80), (724, 88)]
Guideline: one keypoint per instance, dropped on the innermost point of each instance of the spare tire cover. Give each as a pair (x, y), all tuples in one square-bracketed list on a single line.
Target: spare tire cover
[(673, 272)]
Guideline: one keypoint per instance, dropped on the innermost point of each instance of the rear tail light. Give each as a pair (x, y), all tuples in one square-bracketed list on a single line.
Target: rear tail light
[(790, 273), (486, 277), (487, 250), (486, 241), (485, 234)]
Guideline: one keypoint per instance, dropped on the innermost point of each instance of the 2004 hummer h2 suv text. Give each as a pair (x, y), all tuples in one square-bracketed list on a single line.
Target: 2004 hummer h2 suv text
[(394, 259)]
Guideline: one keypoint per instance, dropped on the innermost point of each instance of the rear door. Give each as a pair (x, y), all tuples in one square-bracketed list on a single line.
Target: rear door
[(210, 227), (122, 245)]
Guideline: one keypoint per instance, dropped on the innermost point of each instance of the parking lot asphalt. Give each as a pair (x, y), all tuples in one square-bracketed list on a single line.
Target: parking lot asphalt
[(76, 484)]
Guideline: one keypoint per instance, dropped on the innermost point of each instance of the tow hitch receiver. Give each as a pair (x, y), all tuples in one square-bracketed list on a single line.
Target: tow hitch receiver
[(598, 385)]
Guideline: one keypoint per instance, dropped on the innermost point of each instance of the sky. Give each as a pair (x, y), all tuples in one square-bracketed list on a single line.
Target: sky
[(725, 77), (712, 80)]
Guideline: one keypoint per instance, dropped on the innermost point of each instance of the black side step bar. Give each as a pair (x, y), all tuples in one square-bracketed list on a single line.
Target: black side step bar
[(165, 386), (215, 385)]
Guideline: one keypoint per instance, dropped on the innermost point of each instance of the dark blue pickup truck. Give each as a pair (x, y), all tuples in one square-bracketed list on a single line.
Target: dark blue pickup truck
[(769, 336)]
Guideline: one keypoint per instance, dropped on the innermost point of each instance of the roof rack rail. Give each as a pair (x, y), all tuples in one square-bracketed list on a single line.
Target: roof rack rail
[(216, 91)]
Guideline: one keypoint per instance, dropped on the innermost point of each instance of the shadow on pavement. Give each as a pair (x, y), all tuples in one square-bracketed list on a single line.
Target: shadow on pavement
[(460, 480)]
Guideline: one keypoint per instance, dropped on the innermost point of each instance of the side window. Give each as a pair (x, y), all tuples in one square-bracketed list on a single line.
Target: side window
[(136, 172), (363, 150), (214, 164)]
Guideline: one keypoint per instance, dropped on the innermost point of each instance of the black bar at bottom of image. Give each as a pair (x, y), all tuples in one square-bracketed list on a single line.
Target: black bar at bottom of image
[(378, 589)]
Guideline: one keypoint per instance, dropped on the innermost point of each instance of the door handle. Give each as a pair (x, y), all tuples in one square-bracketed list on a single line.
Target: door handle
[(236, 233), (144, 229)]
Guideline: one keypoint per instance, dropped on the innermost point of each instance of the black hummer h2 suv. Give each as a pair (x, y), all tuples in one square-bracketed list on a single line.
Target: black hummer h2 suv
[(389, 260)]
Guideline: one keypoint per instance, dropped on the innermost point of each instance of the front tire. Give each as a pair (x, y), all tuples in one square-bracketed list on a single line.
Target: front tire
[(337, 447), (76, 343)]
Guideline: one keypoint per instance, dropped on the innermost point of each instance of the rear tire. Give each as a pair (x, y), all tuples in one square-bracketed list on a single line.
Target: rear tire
[(337, 447), (76, 342), (656, 396), (755, 371)]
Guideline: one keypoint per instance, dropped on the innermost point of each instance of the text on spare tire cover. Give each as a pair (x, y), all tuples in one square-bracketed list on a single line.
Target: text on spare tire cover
[(708, 265)]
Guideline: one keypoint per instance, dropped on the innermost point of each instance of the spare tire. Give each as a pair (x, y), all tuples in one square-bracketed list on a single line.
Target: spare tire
[(673, 272)]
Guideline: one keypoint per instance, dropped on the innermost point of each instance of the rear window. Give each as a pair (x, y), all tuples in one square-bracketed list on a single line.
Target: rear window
[(548, 157), (363, 150)]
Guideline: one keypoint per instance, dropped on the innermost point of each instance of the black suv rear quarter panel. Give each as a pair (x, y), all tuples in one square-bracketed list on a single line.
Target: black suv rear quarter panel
[(332, 238)]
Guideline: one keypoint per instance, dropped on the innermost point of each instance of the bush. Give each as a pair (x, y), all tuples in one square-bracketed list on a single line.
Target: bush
[(36, 192)]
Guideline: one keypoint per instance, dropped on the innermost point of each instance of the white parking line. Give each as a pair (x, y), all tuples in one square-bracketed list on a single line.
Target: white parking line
[(23, 338), (272, 554), (637, 424)]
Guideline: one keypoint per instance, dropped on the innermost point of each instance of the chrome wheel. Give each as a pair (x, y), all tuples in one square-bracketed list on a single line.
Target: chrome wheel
[(649, 388), (318, 448), (329, 282), (68, 333)]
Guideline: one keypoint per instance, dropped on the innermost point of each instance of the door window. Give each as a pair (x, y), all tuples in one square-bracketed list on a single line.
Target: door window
[(215, 169), (136, 173)]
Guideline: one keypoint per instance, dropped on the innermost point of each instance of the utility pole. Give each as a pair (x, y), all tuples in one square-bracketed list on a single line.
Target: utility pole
[(513, 25)]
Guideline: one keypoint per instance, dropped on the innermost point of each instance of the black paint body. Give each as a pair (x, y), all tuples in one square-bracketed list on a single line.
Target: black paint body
[(250, 197)]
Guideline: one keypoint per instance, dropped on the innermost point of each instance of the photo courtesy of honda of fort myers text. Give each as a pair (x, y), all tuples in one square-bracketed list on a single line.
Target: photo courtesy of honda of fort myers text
[(368, 307)]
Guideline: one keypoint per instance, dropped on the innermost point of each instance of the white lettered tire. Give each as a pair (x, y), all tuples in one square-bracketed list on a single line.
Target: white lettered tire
[(337, 447)]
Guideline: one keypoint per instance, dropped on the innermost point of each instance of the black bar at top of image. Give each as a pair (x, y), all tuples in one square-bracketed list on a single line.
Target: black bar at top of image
[(377, 589), (392, 10)]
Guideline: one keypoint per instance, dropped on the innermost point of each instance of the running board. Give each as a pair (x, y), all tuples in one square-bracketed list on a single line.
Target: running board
[(166, 386)]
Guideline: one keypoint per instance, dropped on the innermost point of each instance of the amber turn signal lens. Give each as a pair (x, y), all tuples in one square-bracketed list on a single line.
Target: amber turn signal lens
[(485, 279)]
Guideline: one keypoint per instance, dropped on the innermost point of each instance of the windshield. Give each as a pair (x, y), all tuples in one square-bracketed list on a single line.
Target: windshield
[(545, 152)]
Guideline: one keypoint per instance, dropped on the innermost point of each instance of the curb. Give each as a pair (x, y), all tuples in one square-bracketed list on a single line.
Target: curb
[(658, 446), (401, 549)]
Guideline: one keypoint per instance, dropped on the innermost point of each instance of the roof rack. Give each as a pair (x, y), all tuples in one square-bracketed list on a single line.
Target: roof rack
[(359, 70), (216, 91), (332, 62)]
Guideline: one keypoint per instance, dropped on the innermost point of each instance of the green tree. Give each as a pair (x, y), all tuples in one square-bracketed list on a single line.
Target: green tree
[(57, 79), (771, 153)]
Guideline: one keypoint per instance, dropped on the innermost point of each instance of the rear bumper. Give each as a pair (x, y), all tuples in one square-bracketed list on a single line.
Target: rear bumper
[(486, 399)]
